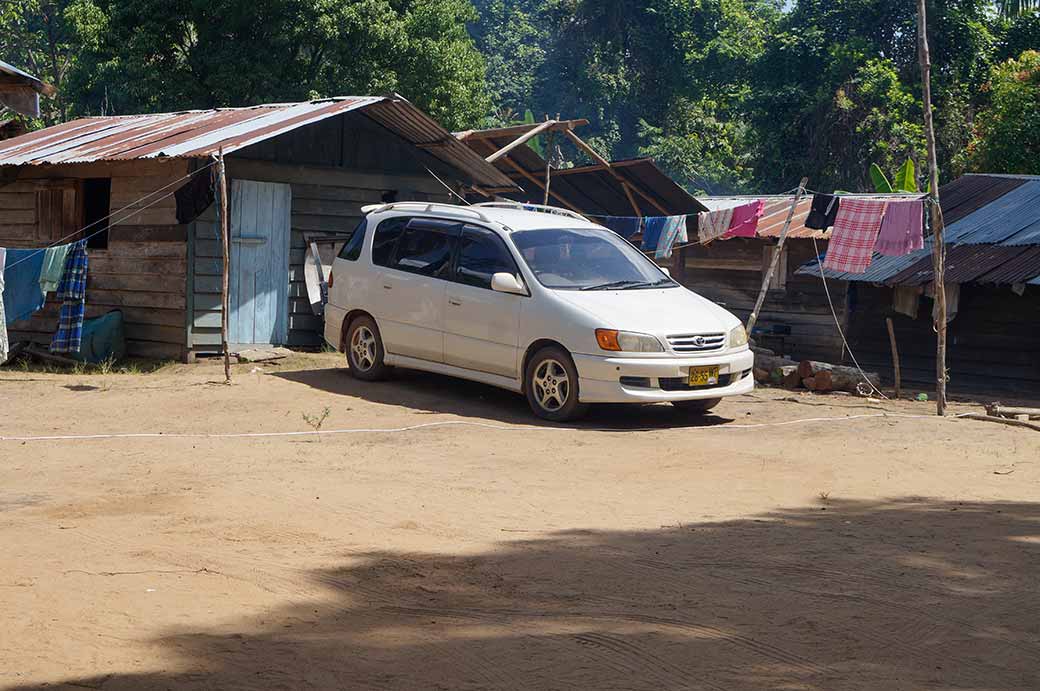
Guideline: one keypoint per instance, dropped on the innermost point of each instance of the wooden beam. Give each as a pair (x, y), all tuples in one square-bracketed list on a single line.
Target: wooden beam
[(516, 130), (512, 164), (604, 163), (521, 140)]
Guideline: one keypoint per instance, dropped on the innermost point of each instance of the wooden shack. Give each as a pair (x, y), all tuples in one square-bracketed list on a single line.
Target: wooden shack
[(295, 170)]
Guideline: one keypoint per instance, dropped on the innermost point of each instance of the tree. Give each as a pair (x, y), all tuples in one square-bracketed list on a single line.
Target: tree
[(151, 55), (1007, 133), (40, 36)]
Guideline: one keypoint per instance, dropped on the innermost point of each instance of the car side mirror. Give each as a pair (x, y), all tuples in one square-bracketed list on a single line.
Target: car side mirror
[(503, 282), (665, 271)]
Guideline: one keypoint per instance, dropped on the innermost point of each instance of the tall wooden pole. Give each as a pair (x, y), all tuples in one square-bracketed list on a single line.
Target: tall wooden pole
[(938, 249), (225, 243), (768, 276)]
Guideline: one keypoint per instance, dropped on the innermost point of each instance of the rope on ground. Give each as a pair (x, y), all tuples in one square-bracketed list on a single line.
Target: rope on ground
[(457, 423)]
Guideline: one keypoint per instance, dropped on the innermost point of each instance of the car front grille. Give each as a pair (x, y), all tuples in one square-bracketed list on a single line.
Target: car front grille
[(696, 343)]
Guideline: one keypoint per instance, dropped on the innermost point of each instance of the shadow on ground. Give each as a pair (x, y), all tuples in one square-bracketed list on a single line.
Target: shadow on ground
[(903, 594), (437, 393)]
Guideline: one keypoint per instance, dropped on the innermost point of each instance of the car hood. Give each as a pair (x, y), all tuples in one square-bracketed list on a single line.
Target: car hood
[(657, 311)]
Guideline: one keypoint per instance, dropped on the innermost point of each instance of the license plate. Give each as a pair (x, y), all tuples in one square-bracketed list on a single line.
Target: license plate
[(704, 376)]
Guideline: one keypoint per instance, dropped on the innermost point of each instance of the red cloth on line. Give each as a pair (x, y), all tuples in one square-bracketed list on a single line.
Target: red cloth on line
[(745, 220), (902, 230), (855, 232)]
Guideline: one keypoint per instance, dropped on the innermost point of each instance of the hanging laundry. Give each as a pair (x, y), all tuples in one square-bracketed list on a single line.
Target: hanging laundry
[(194, 197), (3, 322), (666, 230), (22, 294), (53, 267), (823, 211), (906, 299), (953, 300), (856, 229), (744, 223), (712, 225), (652, 227), (902, 231), (72, 291), (625, 226)]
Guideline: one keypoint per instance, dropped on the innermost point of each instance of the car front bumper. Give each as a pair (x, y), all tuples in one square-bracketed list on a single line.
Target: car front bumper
[(639, 379)]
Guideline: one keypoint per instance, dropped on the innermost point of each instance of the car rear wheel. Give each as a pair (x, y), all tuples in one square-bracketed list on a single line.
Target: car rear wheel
[(697, 407), (365, 350), (551, 385)]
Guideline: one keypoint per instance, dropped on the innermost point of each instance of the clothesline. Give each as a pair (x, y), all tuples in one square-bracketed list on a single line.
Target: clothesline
[(135, 210)]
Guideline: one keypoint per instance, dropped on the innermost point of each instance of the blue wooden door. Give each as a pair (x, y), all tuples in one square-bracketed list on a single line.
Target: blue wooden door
[(259, 274)]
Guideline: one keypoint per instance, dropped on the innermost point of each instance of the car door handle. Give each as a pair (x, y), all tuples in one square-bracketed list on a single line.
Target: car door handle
[(387, 286), (454, 301)]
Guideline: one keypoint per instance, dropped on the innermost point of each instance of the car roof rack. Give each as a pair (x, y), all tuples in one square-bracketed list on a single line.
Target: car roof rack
[(524, 206), (428, 207)]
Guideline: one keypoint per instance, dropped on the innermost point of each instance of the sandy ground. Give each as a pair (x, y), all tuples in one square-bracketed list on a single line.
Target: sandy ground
[(642, 550)]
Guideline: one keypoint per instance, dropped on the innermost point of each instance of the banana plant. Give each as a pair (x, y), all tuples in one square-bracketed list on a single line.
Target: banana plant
[(905, 180)]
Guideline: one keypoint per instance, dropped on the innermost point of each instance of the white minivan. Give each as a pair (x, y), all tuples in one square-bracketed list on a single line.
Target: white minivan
[(538, 300)]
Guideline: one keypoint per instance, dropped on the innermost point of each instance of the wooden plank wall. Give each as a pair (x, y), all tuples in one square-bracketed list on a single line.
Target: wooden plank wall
[(324, 201), (730, 273), (142, 272), (993, 343)]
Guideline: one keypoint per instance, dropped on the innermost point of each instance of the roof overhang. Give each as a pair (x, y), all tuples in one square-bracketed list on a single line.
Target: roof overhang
[(20, 91)]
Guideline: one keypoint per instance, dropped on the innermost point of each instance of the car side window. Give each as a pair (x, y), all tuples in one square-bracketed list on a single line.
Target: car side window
[(385, 239), (482, 254), (425, 248), (351, 250)]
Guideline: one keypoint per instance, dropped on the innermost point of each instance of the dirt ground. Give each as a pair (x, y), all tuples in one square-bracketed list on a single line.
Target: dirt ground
[(762, 547)]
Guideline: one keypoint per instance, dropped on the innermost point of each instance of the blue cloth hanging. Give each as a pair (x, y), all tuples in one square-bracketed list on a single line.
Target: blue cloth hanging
[(22, 293), (652, 232)]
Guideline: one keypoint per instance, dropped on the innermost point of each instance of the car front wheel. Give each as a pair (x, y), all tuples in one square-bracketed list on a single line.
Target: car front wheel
[(551, 385), (365, 350)]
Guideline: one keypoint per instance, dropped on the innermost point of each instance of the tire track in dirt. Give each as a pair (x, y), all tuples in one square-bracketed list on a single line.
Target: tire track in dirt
[(637, 659)]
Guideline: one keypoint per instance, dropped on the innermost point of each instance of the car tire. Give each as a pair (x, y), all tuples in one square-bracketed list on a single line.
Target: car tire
[(697, 407), (364, 348), (551, 385)]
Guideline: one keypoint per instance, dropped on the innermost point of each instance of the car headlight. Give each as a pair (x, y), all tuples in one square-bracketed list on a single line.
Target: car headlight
[(737, 336), (628, 341)]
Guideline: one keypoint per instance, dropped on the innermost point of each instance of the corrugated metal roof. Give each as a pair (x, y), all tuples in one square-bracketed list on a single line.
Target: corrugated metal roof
[(971, 192), (15, 75), (964, 264), (1017, 270), (201, 133), (1013, 218), (589, 189)]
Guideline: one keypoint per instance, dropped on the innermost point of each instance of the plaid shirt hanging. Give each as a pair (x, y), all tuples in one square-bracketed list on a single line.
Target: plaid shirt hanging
[(72, 291), (855, 231)]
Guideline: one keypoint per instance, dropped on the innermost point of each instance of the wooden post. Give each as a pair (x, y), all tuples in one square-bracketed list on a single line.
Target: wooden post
[(895, 356), (225, 243), (938, 249), (776, 257), (548, 166)]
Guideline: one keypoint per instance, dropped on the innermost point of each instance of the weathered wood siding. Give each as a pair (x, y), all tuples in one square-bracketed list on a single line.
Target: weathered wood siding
[(730, 273), (993, 344), (142, 271), (334, 168)]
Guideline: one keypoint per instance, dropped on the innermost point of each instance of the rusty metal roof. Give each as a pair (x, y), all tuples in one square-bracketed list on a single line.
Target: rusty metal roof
[(202, 133), (590, 189)]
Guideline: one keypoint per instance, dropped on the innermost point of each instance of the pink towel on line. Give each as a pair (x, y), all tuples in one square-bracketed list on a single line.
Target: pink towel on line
[(855, 231), (902, 231), (745, 220)]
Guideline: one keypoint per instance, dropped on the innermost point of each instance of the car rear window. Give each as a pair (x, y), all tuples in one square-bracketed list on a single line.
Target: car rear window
[(352, 249), (425, 248)]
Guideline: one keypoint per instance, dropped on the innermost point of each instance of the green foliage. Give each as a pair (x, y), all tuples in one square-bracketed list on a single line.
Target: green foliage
[(877, 176), (1007, 134), (154, 55), (906, 179)]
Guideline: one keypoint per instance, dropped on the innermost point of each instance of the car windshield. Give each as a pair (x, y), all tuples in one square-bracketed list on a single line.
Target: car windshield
[(587, 259)]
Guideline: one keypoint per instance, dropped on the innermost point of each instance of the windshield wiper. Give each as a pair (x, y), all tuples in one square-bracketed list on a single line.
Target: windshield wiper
[(613, 284)]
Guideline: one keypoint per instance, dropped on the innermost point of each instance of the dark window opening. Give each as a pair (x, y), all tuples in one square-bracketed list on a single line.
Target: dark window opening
[(97, 199)]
